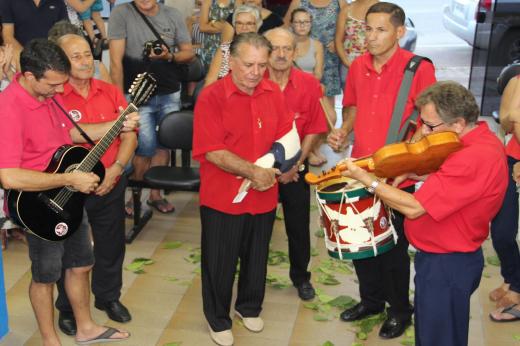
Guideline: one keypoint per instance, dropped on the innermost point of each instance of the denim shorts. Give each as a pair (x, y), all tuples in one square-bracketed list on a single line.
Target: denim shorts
[(151, 113), (49, 257), (97, 6)]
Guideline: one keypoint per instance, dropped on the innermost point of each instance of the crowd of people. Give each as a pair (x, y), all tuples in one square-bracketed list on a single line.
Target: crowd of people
[(272, 72)]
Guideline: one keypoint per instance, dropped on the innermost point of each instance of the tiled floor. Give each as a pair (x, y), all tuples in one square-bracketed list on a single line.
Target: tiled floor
[(165, 301)]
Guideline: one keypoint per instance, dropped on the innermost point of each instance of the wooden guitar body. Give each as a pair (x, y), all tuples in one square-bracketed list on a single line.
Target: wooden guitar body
[(53, 214), (422, 157)]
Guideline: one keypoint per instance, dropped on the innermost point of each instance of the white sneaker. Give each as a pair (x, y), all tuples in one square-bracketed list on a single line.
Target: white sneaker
[(223, 338), (254, 324)]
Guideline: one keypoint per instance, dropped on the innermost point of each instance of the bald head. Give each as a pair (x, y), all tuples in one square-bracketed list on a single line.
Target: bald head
[(284, 46), (78, 51)]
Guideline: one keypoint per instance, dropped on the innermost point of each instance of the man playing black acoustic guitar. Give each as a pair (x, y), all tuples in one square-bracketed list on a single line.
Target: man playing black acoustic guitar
[(32, 129)]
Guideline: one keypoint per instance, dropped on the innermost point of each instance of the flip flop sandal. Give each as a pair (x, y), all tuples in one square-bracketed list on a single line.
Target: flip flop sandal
[(129, 209), (158, 203), (103, 337), (509, 310)]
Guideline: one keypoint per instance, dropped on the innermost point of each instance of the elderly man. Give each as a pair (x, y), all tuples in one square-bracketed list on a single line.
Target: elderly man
[(302, 96), (93, 101), (237, 120), (128, 32), (31, 99), (448, 218), (369, 99)]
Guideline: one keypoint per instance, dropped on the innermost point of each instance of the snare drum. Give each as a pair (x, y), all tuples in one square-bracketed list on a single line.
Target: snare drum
[(355, 222)]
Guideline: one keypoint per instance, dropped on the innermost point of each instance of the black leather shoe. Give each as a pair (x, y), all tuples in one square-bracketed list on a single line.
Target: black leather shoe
[(357, 312), (67, 323), (394, 327), (115, 310), (306, 291)]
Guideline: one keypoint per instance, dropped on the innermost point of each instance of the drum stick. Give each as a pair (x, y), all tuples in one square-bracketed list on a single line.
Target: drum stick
[(326, 110)]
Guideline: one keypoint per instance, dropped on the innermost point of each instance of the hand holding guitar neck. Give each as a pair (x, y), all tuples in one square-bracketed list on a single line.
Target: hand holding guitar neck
[(422, 157)]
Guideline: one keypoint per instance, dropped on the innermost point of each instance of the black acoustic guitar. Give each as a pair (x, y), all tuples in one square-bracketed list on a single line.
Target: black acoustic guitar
[(56, 214)]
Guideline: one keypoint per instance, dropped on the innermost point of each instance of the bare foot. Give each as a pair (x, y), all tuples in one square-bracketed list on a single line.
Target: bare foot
[(507, 314), (508, 299), (498, 292)]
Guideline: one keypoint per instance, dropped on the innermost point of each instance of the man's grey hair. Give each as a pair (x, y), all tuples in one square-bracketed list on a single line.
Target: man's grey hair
[(451, 101), (248, 9), (283, 31), (250, 38)]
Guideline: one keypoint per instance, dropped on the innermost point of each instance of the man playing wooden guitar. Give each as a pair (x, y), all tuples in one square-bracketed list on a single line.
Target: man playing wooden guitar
[(33, 127), (448, 218)]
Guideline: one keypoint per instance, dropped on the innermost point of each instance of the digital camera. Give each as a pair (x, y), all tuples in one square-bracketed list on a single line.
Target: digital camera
[(152, 46)]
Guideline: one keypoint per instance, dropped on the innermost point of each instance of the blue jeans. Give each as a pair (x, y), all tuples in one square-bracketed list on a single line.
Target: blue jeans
[(504, 229), (152, 112)]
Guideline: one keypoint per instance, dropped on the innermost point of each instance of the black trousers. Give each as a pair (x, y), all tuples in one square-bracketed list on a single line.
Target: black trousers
[(225, 239), (107, 218), (295, 199), (386, 277)]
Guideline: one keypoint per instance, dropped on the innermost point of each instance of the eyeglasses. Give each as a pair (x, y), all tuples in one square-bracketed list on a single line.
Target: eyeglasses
[(246, 24), (302, 22), (431, 127)]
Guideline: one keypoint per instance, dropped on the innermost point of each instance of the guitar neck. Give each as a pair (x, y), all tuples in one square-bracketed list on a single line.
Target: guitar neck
[(101, 147)]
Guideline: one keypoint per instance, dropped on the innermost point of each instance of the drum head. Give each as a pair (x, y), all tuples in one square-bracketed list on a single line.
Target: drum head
[(333, 189)]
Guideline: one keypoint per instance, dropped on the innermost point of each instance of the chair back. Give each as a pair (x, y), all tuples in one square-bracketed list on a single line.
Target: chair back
[(176, 130), (508, 72)]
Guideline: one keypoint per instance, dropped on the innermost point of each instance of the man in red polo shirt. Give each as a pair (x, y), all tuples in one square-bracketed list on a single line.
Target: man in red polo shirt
[(448, 218), (33, 127), (237, 120), (93, 101), (302, 95), (370, 94)]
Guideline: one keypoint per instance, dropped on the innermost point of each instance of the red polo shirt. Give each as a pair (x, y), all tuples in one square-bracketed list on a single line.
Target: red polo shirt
[(101, 105), (30, 130), (374, 95), (302, 97), (462, 197), (246, 125)]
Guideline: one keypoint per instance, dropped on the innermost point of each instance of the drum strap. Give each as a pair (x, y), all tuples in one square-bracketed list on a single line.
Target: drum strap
[(394, 134)]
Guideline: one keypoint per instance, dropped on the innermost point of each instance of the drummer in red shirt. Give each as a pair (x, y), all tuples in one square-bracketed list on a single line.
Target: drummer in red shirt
[(447, 219), (370, 95)]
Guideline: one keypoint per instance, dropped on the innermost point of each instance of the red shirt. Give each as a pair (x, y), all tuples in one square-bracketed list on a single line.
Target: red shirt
[(302, 97), (374, 95), (30, 130), (101, 105), (247, 125), (462, 197)]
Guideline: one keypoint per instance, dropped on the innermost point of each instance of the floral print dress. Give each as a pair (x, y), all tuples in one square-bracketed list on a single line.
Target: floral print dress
[(354, 42), (324, 30), (210, 42)]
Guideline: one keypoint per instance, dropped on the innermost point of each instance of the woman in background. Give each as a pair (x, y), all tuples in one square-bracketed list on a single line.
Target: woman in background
[(213, 15)]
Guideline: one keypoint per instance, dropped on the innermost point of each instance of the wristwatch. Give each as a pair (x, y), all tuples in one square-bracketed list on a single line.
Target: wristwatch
[(372, 187)]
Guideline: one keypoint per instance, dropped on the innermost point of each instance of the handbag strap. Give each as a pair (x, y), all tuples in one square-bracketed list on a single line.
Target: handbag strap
[(394, 134), (157, 35), (83, 133)]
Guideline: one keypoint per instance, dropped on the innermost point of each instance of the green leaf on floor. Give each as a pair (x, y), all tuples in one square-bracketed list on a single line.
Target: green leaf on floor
[(175, 343), (408, 342), (313, 207), (314, 252), (312, 306), (366, 325), (319, 233), (279, 214), (486, 275), (321, 318), (277, 281), (343, 302), (172, 245), (276, 257), (410, 332), (172, 278), (516, 337), (194, 257), (328, 279), (411, 253), (361, 336), (356, 344), (493, 260), (327, 343), (197, 270), (137, 265)]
